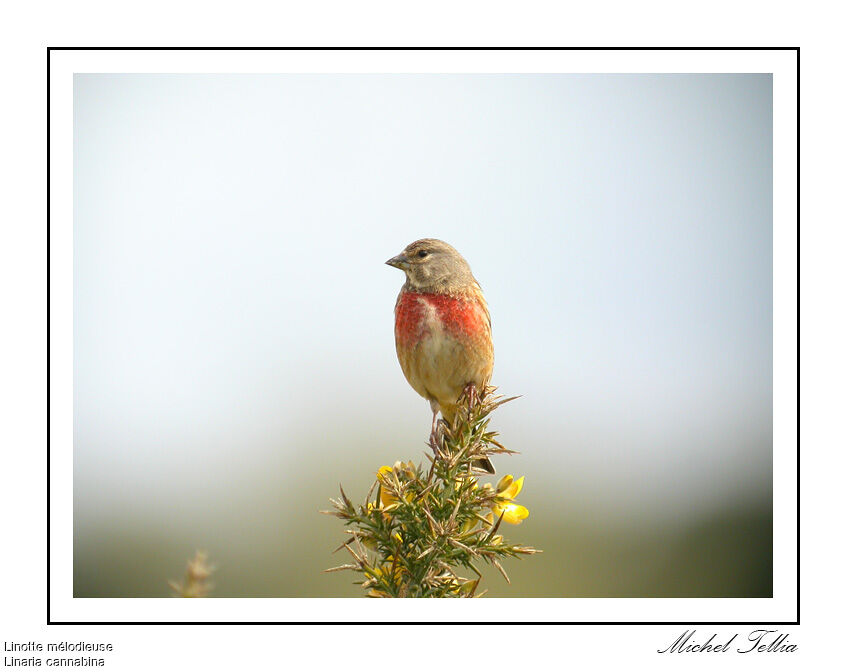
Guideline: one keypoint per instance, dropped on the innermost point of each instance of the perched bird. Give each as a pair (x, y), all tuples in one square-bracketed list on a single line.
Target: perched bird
[(442, 328)]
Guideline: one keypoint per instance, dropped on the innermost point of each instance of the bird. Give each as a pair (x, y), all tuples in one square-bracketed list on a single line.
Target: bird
[(442, 328)]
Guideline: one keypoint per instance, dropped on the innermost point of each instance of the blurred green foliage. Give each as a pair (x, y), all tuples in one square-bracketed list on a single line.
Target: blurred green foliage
[(273, 543)]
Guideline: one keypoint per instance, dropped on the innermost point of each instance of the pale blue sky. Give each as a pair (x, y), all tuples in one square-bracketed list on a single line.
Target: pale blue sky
[(233, 315)]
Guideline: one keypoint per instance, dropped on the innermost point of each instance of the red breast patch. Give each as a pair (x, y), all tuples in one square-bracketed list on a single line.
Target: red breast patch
[(414, 312)]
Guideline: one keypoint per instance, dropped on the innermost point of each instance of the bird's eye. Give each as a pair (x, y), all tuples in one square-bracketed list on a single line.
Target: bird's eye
[(422, 253)]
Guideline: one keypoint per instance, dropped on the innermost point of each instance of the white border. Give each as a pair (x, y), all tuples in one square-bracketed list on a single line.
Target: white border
[(781, 608)]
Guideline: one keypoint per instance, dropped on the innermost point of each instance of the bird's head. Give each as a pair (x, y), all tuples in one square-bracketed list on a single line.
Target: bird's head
[(432, 265)]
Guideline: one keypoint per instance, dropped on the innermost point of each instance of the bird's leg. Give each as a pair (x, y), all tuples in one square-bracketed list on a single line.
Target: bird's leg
[(471, 396), (433, 434)]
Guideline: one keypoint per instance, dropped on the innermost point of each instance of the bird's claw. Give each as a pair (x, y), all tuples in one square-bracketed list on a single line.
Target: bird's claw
[(470, 393), (435, 437)]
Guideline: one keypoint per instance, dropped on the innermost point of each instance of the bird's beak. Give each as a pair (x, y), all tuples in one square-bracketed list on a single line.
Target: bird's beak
[(401, 261)]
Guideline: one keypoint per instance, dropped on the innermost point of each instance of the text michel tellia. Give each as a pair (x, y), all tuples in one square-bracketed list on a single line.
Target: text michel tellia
[(758, 641)]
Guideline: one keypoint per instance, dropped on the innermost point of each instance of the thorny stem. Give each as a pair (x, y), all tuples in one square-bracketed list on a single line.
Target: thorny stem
[(423, 526)]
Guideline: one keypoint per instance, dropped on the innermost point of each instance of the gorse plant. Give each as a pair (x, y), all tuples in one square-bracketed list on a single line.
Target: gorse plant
[(421, 528), (196, 581)]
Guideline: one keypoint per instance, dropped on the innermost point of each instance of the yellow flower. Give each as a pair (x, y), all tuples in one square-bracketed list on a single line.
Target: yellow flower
[(386, 499), (508, 487), (512, 513), (373, 592), (468, 525), (385, 569), (507, 490), (376, 574), (463, 587)]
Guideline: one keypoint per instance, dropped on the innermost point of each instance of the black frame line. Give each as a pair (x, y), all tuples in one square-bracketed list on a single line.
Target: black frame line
[(593, 623)]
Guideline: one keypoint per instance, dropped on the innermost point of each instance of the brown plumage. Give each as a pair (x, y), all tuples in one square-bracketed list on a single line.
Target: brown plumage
[(442, 328)]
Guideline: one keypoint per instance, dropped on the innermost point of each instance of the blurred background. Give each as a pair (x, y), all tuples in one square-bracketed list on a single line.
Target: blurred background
[(233, 330)]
